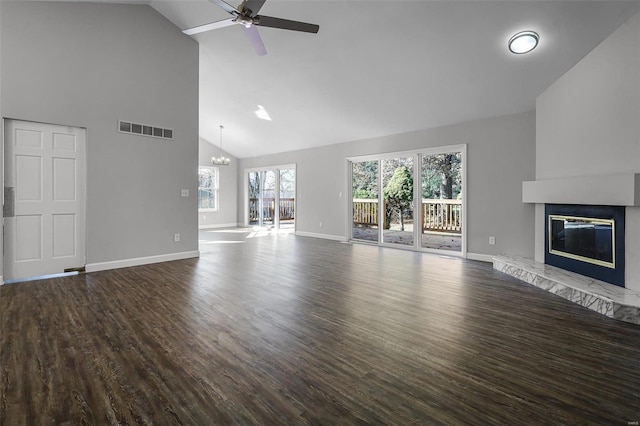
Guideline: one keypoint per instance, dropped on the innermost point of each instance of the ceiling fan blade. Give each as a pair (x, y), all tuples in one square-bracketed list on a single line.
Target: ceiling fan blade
[(208, 27), (253, 5), (285, 24), (225, 6), (254, 38)]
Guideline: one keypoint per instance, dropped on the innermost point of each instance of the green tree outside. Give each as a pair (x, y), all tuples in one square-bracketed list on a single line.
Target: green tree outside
[(398, 193)]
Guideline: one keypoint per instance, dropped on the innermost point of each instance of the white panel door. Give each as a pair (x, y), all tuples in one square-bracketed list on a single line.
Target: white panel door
[(44, 178)]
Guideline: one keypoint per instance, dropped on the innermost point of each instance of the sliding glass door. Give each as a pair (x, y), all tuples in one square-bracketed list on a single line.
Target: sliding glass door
[(411, 199), (441, 211), (261, 197), (287, 199), (271, 197), (364, 206), (397, 200)]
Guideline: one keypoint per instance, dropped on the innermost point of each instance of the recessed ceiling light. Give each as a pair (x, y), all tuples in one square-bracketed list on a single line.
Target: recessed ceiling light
[(262, 113), (523, 42)]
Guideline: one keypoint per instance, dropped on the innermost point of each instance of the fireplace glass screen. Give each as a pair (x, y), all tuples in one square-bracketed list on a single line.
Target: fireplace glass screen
[(586, 239)]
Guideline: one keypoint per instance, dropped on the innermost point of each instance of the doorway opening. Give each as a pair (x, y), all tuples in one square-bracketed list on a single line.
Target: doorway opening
[(271, 197), (44, 199)]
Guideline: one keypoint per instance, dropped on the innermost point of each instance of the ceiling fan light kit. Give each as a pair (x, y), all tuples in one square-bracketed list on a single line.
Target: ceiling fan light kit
[(247, 15)]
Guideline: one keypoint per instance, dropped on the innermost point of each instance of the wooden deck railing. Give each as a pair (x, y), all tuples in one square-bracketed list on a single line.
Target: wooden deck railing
[(442, 215), (437, 215), (365, 211), (287, 209)]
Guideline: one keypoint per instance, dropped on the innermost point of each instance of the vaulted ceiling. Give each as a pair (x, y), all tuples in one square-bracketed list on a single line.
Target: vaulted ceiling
[(381, 67)]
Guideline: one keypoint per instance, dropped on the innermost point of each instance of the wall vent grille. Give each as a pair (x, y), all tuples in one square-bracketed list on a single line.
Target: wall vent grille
[(145, 130)]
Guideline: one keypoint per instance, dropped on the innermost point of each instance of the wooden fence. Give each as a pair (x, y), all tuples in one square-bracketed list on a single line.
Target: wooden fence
[(437, 215), (287, 209)]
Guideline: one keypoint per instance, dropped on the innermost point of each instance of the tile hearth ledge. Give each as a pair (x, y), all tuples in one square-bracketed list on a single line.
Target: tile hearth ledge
[(607, 299)]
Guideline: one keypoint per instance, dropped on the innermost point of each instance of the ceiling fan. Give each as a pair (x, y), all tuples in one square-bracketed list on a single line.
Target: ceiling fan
[(247, 15)]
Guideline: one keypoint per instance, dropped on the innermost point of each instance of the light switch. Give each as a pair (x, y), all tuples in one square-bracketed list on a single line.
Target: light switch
[(184, 192)]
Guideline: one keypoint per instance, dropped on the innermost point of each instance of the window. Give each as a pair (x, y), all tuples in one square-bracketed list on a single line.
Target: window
[(208, 188)]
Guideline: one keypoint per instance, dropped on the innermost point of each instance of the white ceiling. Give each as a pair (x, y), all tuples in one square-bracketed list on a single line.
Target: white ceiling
[(381, 67)]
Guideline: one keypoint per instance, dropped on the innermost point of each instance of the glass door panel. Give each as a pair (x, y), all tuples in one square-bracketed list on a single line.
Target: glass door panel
[(255, 217), (397, 192), (268, 193), (365, 201), (262, 192), (441, 205), (287, 198)]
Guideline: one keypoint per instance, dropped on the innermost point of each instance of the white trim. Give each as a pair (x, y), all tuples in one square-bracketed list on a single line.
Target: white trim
[(221, 225), (444, 149), (348, 199), (265, 168), (1, 280), (125, 263), (465, 200), (323, 236), (481, 257)]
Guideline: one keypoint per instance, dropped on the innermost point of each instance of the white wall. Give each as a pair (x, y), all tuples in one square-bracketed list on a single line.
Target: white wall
[(501, 153), (588, 123), (227, 213), (89, 65)]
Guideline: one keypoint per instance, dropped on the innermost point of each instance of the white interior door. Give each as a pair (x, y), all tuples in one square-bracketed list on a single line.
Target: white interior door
[(44, 175)]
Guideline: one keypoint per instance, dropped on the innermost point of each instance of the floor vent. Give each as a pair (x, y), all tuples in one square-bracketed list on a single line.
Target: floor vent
[(144, 130)]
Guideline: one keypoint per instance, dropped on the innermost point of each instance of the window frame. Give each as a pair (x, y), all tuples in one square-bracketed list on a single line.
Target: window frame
[(215, 189)]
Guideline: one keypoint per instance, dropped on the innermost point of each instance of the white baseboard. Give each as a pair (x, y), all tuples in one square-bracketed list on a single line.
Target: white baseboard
[(481, 257), (323, 236), (125, 263), (222, 225)]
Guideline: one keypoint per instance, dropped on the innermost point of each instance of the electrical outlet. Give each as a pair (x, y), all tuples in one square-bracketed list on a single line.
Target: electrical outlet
[(176, 238), (492, 241), (320, 224), (184, 192)]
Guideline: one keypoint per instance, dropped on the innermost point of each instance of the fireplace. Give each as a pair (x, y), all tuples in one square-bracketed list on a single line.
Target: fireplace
[(588, 240)]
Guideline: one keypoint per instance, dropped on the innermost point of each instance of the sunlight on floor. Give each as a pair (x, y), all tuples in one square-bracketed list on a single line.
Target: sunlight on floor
[(218, 242), (228, 231), (41, 277)]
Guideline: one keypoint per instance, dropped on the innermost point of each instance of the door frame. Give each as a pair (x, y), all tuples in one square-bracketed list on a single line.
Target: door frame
[(82, 175), (276, 168), (417, 155)]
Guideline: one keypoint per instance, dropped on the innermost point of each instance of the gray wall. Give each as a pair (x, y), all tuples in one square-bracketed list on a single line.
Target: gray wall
[(588, 123), (89, 65), (501, 154), (228, 189)]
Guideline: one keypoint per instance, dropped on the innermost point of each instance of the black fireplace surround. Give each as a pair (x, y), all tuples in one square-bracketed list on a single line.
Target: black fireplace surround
[(588, 240)]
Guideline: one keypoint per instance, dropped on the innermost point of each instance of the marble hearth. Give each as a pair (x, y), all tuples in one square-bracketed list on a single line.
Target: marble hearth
[(607, 299)]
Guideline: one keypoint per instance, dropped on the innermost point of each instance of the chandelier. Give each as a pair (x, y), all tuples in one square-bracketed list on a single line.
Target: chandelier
[(220, 160)]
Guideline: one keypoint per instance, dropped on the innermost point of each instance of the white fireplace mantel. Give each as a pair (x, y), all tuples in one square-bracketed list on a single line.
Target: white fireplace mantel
[(622, 189)]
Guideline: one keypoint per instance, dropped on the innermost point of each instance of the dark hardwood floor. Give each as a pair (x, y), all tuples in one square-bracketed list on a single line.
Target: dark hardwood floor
[(292, 330)]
